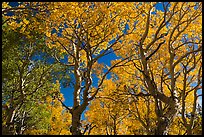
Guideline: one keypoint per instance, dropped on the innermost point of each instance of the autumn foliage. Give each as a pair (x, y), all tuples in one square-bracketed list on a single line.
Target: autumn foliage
[(152, 88)]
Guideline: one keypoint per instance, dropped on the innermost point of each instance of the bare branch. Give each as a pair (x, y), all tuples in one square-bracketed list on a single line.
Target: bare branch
[(101, 82), (155, 50), (69, 109)]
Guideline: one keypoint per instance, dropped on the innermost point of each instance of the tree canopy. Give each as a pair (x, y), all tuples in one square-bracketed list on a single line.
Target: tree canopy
[(153, 88)]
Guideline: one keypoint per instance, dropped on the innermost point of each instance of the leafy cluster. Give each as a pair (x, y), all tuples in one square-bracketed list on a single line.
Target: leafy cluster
[(152, 88)]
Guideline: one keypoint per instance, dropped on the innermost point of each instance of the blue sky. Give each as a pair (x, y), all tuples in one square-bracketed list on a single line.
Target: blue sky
[(68, 92)]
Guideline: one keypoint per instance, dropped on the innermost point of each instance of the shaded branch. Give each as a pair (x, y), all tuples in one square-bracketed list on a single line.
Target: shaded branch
[(69, 109), (155, 50)]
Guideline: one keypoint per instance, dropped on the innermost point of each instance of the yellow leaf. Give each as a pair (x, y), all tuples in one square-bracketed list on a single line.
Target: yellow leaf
[(25, 21), (48, 34)]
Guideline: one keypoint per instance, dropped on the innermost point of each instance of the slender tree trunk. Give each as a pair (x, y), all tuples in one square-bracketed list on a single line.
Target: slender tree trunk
[(76, 118), (114, 127), (8, 128), (165, 121), (189, 131), (162, 127), (75, 129)]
